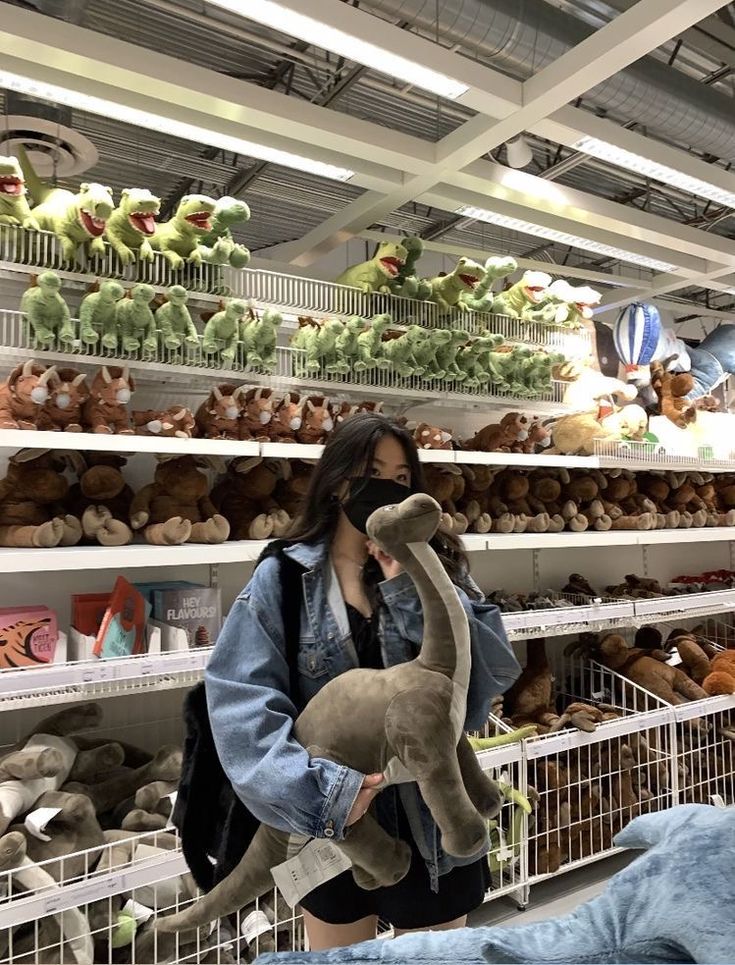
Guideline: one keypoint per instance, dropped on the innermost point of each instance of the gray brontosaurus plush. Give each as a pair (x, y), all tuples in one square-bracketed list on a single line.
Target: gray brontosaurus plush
[(405, 721)]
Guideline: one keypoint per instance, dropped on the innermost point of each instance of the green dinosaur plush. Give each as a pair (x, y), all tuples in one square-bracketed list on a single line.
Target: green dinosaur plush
[(481, 299), (400, 351), (472, 359), (320, 344), (218, 247), (47, 313), (370, 345), (447, 290), (75, 218), (377, 274), (97, 314), (428, 344), (132, 224), (178, 239), (135, 321), (565, 305), (222, 330), (524, 295), (446, 356), (14, 207), (174, 320), (347, 343), (407, 283), (259, 336)]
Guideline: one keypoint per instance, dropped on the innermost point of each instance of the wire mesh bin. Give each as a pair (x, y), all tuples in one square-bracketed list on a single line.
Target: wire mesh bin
[(590, 785)]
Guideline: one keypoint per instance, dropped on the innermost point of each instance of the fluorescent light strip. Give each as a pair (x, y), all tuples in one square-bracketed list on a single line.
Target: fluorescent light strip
[(481, 214), (322, 35), (166, 125), (652, 169)]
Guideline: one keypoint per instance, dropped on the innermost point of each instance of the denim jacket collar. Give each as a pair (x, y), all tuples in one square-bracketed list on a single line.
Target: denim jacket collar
[(310, 555)]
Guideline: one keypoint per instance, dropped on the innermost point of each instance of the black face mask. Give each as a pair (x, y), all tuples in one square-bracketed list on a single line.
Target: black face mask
[(367, 495)]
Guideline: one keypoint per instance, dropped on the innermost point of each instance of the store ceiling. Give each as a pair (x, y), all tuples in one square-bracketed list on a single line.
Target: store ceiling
[(288, 205)]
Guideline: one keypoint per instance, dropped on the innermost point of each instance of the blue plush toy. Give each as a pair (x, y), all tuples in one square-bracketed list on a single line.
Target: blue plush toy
[(673, 904)]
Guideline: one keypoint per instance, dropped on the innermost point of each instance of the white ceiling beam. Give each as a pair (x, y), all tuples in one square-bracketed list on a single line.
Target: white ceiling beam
[(719, 280), (612, 47)]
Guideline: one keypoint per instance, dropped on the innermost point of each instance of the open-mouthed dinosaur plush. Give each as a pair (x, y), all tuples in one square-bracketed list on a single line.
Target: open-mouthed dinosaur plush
[(405, 721)]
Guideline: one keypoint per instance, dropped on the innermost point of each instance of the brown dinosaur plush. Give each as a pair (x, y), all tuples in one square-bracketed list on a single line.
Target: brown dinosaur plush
[(292, 488), (62, 410), (445, 483), (431, 437), (175, 508), (32, 494), (406, 722), (257, 413), (23, 394), (713, 669), (105, 410), (317, 422), (244, 496), (288, 416), (671, 391), (218, 417), (500, 436), (474, 504), (659, 678), (101, 499), (176, 422)]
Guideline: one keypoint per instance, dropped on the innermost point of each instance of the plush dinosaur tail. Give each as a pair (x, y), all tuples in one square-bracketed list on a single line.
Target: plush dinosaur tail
[(35, 186), (246, 882)]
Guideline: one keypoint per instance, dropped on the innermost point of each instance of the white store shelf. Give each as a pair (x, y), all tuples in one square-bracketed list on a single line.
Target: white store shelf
[(685, 605), (537, 541), (99, 442), (530, 460), (566, 620), (289, 450)]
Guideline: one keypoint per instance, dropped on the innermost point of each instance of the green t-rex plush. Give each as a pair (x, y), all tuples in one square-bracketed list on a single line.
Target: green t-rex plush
[(447, 290), (132, 224), (218, 247), (14, 207), (178, 239), (223, 329), (135, 321), (320, 343), (446, 356), (405, 722), (524, 295), (75, 218), (347, 343), (259, 336), (472, 359), (47, 313), (97, 314), (370, 345), (174, 320), (481, 298), (406, 283), (428, 344), (400, 351), (377, 274)]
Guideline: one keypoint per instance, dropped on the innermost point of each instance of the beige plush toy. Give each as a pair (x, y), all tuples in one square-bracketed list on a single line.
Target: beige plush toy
[(406, 722)]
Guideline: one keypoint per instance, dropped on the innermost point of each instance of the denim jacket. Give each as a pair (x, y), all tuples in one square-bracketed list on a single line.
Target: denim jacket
[(252, 715)]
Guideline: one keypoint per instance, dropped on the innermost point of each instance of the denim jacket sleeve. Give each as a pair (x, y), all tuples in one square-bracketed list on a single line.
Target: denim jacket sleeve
[(252, 716), (494, 666)]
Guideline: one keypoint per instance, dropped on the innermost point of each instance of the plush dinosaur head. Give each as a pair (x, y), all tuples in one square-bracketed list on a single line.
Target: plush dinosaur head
[(194, 213), (236, 308), (12, 182), (379, 323), (390, 258), (94, 205), (534, 285), (229, 211), (469, 273), (143, 294), (49, 283), (177, 295), (111, 291), (394, 528), (141, 209)]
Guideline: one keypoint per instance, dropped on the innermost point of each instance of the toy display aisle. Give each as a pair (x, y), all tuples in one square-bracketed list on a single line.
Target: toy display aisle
[(610, 746)]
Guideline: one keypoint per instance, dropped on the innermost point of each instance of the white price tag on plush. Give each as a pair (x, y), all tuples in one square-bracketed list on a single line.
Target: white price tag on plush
[(172, 798), (317, 862), (718, 800), (37, 820), (141, 913), (504, 853), (255, 924)]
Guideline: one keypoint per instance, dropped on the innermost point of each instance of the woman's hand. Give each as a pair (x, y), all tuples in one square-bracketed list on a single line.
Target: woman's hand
[(364, 797), (388, 565)]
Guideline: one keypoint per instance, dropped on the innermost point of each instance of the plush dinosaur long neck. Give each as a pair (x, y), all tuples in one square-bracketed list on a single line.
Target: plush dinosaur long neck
[(35, 186)]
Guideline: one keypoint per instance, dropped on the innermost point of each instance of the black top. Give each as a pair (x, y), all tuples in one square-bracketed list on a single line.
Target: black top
[(364, 632)]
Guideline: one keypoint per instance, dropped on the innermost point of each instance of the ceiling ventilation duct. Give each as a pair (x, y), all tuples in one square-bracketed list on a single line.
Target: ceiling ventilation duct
[(520, 37), (46, 132)]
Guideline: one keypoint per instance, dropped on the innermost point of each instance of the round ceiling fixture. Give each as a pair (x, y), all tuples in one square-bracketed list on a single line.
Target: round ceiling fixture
[(52, 148), (519, 152)]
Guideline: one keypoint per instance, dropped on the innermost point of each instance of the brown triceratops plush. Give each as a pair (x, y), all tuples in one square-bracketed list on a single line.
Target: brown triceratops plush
[(32, 512), (175, 508), (176, 422), (101, 499), (405, 722), (23, 394), (105, 410), (244, 496), (218, 417), (287, 418), (316, 422), (62, 410), (257, 413)]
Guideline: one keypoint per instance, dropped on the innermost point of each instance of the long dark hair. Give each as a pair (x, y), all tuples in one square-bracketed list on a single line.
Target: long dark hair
[(349, 452)]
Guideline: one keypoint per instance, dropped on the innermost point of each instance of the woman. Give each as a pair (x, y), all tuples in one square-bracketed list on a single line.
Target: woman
[(358, 609)]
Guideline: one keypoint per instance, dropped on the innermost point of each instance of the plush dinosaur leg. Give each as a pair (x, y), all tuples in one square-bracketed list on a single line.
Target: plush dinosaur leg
[(378, 860), (173, 532), (482, 791), (417, 733), (165, 766), (27, 765), (89, 764), (250, 879), (45, 535)]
